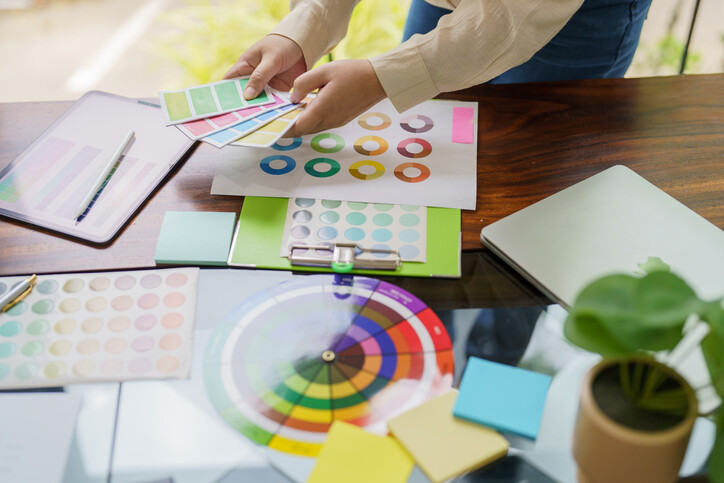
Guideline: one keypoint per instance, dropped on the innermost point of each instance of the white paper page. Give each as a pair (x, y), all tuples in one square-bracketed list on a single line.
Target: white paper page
[(382, 157), (36, 430)]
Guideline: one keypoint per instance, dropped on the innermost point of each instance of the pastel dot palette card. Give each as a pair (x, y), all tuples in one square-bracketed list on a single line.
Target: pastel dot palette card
[(377, 226), (111, 326)]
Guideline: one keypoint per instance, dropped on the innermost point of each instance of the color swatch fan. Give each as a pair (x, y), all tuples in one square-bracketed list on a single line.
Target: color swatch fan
[(289, 361)]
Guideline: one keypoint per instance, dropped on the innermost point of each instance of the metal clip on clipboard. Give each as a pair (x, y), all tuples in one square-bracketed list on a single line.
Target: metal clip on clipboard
[(343, 257)]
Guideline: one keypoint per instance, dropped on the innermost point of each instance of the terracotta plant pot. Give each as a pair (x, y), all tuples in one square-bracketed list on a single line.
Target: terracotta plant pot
[(607, 451)]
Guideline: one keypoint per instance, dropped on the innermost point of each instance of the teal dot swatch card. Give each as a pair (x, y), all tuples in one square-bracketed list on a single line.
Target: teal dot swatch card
[(502, 397), (195, 237), (402, 228)]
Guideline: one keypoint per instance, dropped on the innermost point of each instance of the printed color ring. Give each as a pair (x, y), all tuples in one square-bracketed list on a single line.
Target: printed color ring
[(386, 121), (310, 167), (296, 142), (405, 123), (402, 148), (354, 169), (424, 172), (268, 168), (317, 140), (381, 145)]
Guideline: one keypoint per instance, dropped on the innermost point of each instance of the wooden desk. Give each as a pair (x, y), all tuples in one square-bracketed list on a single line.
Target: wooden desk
[(534, 140)]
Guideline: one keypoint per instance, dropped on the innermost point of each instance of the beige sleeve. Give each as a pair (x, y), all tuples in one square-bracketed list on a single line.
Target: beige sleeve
[(316, 25), (479, 40)]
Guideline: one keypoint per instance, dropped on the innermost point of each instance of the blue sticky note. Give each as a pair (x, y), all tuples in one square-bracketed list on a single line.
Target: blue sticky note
[(502, 397), (195, 237)]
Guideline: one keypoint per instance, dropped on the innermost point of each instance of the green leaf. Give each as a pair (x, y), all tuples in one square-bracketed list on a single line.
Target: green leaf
[(716, 458), (654, 264), (585, 331)]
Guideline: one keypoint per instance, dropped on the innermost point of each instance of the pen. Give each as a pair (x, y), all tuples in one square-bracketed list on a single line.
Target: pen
[(104, 174), (17, 293)]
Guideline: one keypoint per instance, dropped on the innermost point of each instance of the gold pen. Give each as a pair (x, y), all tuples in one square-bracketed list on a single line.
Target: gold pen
[(17, 293)]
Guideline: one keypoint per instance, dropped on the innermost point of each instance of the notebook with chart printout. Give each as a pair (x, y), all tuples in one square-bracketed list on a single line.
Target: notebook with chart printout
[(46, 183), (608, 223)]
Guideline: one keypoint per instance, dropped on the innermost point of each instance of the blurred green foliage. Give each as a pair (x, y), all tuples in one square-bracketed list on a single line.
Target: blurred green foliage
[(204, 38)]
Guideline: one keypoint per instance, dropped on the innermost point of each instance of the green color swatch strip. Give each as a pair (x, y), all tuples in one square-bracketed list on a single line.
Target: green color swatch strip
[(203, 100), (228, 96)]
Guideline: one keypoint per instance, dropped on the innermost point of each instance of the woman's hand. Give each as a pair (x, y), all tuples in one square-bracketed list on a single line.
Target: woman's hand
[(347, 88), (274, 60)]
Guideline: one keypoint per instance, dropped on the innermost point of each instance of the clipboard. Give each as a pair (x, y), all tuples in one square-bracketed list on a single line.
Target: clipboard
[(46, 183), (260, 230)]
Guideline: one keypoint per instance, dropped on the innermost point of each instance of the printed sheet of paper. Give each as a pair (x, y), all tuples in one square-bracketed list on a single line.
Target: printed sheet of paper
[(111, 326), (205, 127), (423, 157), (402, 228), (208, 100), (36, 430)]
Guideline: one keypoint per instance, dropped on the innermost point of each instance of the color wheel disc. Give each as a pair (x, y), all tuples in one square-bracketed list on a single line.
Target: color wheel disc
[(287, 362)]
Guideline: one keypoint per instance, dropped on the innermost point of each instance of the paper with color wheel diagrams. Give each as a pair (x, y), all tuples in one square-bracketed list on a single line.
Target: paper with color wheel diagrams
[(260, 233), (421, 157)]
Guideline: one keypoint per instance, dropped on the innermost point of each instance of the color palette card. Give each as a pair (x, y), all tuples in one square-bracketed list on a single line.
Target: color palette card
[(112, 326), (221, 138), (195, 237), (260, 234), (503, 397), (269, 134), (402, 228), (352, 455), (209, 100), (205, 127), (443, 446), (423, 156)]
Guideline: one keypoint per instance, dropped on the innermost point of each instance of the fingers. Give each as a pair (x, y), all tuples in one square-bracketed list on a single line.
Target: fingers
[(242, 67), (307, 82), (260, 77), (306, 123)]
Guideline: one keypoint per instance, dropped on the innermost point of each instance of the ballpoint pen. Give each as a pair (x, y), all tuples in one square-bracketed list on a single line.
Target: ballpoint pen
[(103, 175), (17, 293)]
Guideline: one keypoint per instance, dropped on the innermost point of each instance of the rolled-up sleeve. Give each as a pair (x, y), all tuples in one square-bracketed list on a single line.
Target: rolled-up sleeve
[(476, 42)]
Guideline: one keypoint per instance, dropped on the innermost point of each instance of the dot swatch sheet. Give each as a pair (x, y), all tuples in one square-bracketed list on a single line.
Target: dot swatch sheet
[(113, 326), (379, 226)]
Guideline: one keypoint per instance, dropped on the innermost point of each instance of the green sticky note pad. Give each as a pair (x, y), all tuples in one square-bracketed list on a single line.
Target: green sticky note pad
[(195, 237)]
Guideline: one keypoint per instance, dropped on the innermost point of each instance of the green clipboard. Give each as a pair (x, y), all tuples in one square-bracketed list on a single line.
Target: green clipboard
[(260, 229)]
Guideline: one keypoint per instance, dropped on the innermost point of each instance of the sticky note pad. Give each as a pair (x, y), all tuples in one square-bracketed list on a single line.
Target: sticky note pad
[(351, 454), (442, 445), (195, 237), (503, 397)]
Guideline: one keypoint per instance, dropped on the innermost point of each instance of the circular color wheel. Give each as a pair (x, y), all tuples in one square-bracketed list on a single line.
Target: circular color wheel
[(363, 121), (296, 142), (427, 123), (381, 145), (400, 172), (290, 360), (354, 169), (402, 148), (311, 167), (269, 169), (317, 146)]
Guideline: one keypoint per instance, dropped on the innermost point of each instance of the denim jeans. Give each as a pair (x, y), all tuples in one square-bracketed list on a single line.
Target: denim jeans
[(599, 41)]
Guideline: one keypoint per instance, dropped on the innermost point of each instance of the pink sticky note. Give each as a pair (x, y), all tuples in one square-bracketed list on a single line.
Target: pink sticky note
[(463, 126)]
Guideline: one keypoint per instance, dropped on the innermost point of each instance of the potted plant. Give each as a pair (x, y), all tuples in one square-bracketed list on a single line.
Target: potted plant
[(636, 414)]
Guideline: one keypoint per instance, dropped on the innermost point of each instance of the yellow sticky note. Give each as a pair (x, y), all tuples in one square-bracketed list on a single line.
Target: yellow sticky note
[(353, 455), (442, 445)]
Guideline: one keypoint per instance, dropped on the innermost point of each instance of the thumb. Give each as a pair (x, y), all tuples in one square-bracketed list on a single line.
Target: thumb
[(307, 82), (258, 79)]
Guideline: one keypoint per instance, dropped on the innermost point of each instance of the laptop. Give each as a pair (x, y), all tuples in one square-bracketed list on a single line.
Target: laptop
[(608, 223)]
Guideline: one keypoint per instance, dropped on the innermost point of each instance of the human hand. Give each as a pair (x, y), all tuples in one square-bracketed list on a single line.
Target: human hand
[(274, 60), (347, 88)]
